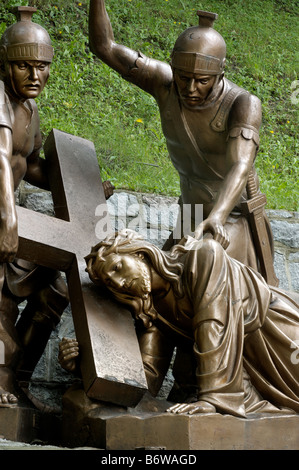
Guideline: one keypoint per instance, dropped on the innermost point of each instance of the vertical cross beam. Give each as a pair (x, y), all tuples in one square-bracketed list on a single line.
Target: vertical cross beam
[(111, 363)]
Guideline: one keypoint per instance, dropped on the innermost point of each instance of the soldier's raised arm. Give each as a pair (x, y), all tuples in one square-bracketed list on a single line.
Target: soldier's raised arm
[(102, 43)]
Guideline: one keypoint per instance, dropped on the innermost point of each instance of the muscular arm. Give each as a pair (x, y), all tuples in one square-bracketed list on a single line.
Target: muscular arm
[(244, 124), (101, 40), (235, 179), (129, 63), (8, 217), (36, 173)]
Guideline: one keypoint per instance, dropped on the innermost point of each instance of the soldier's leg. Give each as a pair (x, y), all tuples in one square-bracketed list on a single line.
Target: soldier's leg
[(39, 318), (9, 347)]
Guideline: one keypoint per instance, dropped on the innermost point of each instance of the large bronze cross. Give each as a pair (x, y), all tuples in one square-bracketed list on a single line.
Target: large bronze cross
[(111, 364)]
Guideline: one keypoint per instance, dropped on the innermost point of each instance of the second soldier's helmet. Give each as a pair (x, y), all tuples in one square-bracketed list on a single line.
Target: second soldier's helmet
[(200, 49)]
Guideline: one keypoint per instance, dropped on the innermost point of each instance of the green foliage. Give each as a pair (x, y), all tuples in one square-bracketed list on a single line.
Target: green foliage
[(86, 98)]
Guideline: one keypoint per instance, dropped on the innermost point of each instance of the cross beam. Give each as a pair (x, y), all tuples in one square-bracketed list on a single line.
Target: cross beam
[(111, 363)]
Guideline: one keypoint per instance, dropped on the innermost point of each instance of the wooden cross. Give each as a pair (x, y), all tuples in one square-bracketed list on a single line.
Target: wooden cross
[(111, 364)]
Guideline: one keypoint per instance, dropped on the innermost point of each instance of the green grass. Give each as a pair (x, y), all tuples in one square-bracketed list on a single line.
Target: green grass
[(86, 98)]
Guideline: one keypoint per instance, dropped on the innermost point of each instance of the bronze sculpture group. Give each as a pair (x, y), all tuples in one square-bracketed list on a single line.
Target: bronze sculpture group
[(26, 54), (211, 127), (215, 300), (232, 331)]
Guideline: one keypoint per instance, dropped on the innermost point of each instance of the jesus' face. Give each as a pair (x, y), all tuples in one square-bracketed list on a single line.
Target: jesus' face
[(125, 273)]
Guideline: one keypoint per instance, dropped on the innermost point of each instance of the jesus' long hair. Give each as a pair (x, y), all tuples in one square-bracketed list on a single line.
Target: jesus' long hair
[(167, 264)]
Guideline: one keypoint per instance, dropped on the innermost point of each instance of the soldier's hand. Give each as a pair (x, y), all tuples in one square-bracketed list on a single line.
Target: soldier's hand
[(108, 189), (216, 229), (68, 354)]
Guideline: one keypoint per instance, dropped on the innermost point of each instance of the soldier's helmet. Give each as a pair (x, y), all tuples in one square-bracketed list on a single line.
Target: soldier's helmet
[(200, 49), (25, 40)]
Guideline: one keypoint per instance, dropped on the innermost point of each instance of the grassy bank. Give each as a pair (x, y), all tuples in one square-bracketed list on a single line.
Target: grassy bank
[(84, 97)]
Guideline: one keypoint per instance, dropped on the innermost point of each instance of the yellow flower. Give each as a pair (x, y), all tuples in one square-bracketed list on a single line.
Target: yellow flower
[(272, 132), (139, 120), (68, 105)]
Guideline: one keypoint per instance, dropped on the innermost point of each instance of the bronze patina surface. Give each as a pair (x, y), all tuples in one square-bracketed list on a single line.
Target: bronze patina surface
[(111, 364), (148, 427), (211, 127), (232, 335), (25, 57), (233, 332)]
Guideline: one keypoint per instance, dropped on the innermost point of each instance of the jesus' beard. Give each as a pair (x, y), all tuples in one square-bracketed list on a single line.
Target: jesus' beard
[(145, 280)]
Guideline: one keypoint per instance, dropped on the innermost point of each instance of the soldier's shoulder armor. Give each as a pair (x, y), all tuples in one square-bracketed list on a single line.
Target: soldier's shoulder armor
[(231, 92)]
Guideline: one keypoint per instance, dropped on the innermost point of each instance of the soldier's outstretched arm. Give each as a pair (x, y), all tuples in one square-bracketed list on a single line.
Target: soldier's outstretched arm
[(102, 43)]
